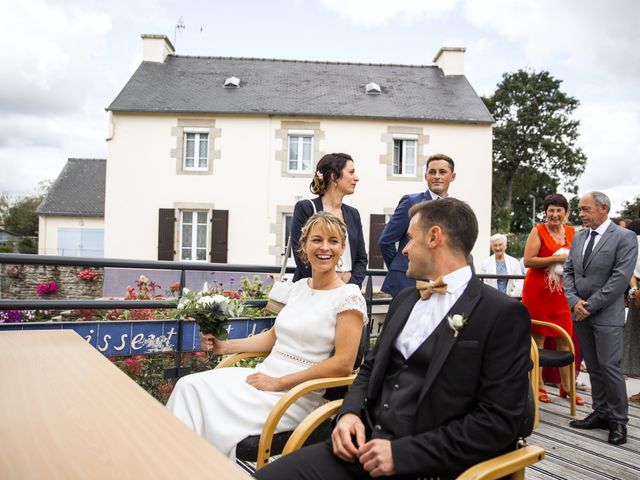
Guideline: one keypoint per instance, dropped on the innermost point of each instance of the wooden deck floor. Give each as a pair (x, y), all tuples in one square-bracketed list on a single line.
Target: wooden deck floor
[(577, 454), (583, 454)]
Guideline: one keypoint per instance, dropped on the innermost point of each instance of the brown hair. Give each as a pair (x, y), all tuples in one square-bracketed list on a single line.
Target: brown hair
[(331, 163), (441, 156), (327, 221), (456, 219), (557, 200)]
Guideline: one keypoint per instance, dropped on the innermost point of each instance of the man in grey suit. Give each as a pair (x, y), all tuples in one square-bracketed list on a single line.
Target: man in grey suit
[(596, 274)]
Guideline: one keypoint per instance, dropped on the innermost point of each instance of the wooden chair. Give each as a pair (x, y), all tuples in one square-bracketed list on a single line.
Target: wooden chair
[(534, 378), (509, 465), (260, 448), (558, 358)]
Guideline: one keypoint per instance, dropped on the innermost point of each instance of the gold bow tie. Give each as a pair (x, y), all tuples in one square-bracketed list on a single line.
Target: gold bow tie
[(427, 289)]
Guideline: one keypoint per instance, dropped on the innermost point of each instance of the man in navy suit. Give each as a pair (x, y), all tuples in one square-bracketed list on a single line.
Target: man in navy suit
[(596, 274), (446, 384), (438, 175)]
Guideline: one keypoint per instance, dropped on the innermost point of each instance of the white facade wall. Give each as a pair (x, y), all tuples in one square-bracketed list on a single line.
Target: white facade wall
[(247, 179), (48, 230)]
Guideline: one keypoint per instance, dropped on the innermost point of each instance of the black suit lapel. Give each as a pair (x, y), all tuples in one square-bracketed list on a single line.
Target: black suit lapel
[(393, 327), (464, 306)]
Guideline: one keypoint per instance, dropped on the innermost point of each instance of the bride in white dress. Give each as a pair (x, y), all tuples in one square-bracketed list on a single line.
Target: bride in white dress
[(316, 335)]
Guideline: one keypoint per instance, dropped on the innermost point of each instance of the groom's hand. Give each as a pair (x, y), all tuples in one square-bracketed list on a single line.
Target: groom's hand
[(348, 427), (376, 458)]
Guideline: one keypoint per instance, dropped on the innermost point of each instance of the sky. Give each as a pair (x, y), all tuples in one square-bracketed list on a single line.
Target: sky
[(65, 61)]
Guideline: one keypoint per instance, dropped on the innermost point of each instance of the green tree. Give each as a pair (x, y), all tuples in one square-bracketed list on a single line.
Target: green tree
[(5, 203), (534, 146), (630, 208), (21, 217)]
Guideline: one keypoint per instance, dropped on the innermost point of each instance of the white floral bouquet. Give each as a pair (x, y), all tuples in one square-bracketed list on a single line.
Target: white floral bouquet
[(209, 309), (555, 272)]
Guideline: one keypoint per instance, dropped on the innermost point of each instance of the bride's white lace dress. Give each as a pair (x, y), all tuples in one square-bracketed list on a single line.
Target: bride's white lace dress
[(221, 407)]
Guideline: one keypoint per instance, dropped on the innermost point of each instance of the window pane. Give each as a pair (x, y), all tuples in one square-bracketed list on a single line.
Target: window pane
[(397, 154), (306, 148), (306, 154), (410, 157), (201, 254), (186, 254), (186, 217), (203, 152), (202, 217), (202, 236), (293, 153), (186, 235), (189, 148)]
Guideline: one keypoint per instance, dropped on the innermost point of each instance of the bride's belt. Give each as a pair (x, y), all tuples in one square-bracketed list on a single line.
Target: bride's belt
[(293, 357)]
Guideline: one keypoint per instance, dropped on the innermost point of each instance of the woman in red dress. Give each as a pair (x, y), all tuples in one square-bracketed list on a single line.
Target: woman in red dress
[(543, 293)]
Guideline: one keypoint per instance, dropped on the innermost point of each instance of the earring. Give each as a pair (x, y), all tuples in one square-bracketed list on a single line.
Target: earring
[(340, 264)]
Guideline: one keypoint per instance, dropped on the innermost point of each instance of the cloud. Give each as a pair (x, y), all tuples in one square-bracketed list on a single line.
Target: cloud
[(66, 66), (610, 137), (592, 35), (373, 13)]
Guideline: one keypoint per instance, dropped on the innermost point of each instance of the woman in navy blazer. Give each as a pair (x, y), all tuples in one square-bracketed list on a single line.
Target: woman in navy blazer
[(335, 177)]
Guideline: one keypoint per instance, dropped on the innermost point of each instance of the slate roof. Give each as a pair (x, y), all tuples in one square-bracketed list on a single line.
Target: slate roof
[(185, 84), (78, 191)]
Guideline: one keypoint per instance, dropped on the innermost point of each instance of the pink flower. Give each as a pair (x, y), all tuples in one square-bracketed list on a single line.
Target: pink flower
[(46, 288)]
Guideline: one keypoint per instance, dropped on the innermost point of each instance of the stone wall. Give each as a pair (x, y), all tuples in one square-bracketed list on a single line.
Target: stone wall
[(20, 282)]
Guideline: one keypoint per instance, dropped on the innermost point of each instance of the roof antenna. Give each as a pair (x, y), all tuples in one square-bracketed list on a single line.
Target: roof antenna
[(179, 26)]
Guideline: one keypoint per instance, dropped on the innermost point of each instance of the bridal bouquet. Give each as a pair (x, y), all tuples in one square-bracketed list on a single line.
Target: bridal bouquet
[(209, 309)]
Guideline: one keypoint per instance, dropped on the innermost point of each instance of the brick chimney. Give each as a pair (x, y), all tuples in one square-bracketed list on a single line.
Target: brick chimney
[(450, 60), (155, 48)]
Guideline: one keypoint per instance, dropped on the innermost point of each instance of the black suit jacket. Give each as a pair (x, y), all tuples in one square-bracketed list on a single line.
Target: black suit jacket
[(473, 398), (301, 213)]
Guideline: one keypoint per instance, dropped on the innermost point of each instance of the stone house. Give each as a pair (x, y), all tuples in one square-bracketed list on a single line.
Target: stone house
[(208, 155)]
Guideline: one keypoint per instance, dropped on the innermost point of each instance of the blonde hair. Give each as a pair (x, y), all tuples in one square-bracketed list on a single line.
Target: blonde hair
[(328, 222)]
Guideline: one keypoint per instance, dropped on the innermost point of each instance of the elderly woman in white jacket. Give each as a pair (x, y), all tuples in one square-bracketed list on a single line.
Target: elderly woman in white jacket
[(502, 264)]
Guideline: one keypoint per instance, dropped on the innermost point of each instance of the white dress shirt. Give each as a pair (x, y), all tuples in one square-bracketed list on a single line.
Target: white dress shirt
[(600, 231), (427, 314)]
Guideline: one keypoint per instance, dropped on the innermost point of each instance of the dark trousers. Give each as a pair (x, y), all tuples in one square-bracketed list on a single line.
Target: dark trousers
[(317, 462)]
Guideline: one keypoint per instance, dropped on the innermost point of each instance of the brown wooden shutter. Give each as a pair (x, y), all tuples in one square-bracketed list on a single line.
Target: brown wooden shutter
[(166, 228), (219, 234), (376, 225)]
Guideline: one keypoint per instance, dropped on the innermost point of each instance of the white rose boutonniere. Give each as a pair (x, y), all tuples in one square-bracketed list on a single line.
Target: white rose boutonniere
[(457, 323)]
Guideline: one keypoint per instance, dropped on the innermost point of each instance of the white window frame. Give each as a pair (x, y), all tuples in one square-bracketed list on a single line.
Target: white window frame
[(399, 169), (194, 234), (196, 149), (300, 135), (285, 233)]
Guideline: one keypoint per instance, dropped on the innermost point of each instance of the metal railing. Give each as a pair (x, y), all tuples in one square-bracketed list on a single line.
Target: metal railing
[(182, 267)]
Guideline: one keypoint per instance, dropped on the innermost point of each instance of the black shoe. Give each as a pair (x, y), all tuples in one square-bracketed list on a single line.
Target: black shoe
[(617, 433), (590, 422)]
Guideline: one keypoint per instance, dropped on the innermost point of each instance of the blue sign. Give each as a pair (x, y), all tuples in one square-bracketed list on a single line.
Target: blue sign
[(143, 337)]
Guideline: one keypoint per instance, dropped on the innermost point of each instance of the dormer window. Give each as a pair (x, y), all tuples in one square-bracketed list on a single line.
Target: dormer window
[(232, 82), (373, 88)]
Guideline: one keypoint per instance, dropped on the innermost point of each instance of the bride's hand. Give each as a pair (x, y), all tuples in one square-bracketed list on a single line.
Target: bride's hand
[(210, 343), (260, 381)]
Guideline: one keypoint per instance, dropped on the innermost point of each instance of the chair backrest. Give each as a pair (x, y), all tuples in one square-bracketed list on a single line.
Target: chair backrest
[(526, 427), (339, 392)]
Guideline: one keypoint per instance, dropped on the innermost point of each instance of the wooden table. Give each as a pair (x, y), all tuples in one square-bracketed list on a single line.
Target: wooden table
[(66, 412)]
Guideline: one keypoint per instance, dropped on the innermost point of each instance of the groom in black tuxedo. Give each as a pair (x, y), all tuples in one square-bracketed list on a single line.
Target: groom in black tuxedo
[(446, 385)]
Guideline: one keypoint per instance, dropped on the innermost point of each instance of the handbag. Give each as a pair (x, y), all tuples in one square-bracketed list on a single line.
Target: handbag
[(281, 289)]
